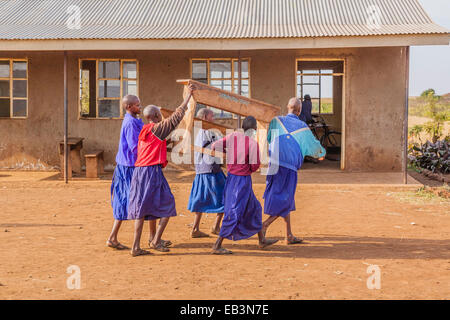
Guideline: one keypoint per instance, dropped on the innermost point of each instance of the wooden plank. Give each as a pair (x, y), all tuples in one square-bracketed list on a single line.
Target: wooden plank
[(205, 124), (188, 121), (212, 125), (261, 136), (166, 112), (232, 102), (227, 101), (212, 153)]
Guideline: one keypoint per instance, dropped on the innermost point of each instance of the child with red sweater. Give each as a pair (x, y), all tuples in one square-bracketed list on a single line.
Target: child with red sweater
[(242, 211), (150, 194)]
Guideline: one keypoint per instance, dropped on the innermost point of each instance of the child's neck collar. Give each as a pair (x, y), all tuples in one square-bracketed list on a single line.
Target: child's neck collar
[(132, 114)]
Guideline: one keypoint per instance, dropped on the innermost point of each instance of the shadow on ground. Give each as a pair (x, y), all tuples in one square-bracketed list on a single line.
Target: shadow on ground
[(79, 177), (340, 247), (27, 225)]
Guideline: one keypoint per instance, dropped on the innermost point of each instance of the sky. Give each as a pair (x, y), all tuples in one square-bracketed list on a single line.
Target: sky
[(430, 65)]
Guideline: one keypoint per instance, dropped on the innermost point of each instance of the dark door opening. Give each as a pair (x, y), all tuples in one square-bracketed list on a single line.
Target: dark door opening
[(319, 83)]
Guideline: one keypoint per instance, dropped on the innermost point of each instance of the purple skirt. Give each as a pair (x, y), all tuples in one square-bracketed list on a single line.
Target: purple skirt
[(150, 195), (279, 195), (242, 211), (120, 190)]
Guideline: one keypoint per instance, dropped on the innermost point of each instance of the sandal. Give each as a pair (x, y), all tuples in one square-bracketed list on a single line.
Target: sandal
[(267, 242), (214, 231), (117, 246), (199, 234), (221, 251), (159, 247), (140, 252), (294, 241), (165, 243)]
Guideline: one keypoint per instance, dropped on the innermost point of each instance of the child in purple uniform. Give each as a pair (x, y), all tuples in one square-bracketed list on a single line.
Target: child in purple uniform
[(242, 211), (125, 159)]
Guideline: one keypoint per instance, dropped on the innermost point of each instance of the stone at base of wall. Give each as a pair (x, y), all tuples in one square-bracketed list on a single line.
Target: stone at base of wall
[(32, 166)]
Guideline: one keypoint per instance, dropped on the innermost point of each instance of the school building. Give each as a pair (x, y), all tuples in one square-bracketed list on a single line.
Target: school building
[(351, 57)]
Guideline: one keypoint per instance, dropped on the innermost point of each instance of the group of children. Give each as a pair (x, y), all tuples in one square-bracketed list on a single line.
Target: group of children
[(139, 190)]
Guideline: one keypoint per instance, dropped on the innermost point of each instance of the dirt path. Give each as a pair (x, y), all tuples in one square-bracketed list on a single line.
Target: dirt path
[(47, 226)]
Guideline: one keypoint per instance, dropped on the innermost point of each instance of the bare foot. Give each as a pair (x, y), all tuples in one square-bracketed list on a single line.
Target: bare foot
[(264, 230), (221, 251), (199, 234), (139, 252), (267, 242), (116, 245)]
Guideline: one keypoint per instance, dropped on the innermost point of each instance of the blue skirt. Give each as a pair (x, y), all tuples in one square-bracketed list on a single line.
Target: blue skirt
[(207, 193), (279, 195), (150, 195), (120, 190), (243, 212)]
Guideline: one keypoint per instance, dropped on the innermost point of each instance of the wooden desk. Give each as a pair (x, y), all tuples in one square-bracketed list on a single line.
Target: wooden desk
[(75, 145)]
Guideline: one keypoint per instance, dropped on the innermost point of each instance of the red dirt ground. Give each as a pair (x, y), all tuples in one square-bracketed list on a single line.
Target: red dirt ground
[(47, 226)]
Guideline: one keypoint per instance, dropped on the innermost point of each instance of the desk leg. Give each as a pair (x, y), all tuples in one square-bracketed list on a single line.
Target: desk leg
[(101, 165), (91, 168), (75, 157), (61, 159)]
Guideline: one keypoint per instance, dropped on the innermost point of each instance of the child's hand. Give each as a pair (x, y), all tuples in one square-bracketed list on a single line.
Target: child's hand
[(191, 88)]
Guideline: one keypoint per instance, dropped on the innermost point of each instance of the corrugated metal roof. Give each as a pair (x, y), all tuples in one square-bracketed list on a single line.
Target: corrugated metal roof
[(211, 19)]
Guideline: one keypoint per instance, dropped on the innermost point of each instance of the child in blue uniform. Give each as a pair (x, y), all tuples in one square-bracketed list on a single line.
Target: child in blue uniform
[(209, 182), (125, 159), (293, 140)]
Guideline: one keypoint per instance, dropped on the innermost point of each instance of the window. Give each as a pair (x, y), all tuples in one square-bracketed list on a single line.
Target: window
[(318, 84), (103, 83), (13, 88), (222, 74)]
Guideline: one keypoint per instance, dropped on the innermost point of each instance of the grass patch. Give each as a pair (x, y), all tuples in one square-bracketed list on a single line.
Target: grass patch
[(426, 195)]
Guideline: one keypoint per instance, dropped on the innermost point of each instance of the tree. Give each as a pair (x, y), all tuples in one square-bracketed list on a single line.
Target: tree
[(432, 110)]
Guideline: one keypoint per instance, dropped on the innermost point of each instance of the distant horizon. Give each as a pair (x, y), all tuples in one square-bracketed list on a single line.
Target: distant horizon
[(430, 65)]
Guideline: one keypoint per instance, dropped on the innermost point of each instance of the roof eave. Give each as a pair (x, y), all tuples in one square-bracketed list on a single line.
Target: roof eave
[(225, 44)]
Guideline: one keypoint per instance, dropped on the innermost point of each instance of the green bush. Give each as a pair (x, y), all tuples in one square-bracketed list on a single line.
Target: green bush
[(431, 156)]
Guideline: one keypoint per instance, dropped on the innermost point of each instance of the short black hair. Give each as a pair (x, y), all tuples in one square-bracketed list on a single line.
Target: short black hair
[(249, 123)]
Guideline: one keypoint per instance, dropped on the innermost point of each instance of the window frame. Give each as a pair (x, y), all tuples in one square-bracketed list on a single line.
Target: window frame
[(232, 61), (333, 74), (11, 79), (97, 79)]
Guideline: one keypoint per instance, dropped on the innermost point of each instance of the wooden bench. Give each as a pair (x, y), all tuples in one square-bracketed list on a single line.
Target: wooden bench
[(94, 164), (74, 161)]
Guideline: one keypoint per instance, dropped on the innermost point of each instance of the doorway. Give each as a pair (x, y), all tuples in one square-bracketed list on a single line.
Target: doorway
[(320, 85)]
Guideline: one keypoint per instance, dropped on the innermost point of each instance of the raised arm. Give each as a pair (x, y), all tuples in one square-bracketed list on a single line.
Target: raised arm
[(163, 129)]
